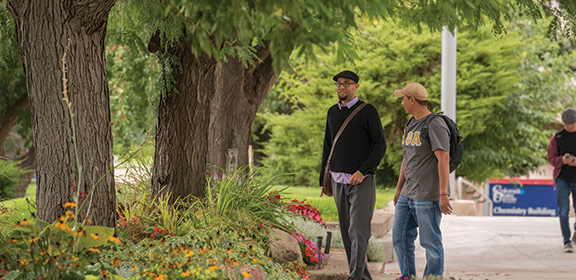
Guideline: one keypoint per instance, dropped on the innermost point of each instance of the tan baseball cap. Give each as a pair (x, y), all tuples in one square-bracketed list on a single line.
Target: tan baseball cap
[(415, 90)]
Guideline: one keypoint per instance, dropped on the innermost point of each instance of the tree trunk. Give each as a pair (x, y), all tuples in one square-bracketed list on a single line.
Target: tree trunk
[(46, 30), (239, 93), (182, 129)]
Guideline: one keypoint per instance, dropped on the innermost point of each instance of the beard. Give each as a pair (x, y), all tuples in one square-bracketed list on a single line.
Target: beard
[(342, 97)]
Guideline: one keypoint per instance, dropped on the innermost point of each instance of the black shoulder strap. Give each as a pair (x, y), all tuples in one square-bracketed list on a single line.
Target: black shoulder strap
[(424, 132), (342, 127), (559, 141)]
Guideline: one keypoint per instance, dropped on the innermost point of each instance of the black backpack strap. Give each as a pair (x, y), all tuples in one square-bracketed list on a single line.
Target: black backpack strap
[(559, 141), (424, 132)]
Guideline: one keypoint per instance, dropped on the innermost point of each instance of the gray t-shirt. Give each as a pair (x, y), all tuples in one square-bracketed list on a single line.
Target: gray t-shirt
[(420, 164)]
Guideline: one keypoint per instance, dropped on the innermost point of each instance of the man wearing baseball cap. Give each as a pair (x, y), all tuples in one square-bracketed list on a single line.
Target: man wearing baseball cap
[(422, 189), (356, 155), (561, 151)]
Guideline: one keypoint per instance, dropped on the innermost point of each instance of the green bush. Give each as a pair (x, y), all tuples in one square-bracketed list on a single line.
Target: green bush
[(9, 177)]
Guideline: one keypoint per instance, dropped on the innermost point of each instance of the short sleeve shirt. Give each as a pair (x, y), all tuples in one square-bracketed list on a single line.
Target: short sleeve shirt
[(420, 163)]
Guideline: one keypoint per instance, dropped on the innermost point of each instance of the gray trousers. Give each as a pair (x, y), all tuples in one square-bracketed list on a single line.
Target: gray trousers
[(355, 205)]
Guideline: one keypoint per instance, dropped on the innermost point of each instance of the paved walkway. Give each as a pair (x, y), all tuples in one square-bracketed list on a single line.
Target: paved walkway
[(499, 248)]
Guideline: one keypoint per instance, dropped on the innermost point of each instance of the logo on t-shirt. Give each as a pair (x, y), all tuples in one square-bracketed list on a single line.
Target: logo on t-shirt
[(411, 139)]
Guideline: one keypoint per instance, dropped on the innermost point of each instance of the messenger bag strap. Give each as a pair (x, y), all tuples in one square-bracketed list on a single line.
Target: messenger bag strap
[(342, 127)]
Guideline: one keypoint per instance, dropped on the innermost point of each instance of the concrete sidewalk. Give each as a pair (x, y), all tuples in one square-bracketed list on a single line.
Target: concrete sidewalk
[(499, 248)]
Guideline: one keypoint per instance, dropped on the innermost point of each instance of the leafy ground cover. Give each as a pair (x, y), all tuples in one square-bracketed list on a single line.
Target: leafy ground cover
[(223, 236)]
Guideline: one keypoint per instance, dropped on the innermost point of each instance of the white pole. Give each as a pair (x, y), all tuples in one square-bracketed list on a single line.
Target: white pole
[(448, 105)]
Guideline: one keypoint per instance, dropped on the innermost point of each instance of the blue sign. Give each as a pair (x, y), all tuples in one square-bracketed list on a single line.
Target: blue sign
[(530, 198)]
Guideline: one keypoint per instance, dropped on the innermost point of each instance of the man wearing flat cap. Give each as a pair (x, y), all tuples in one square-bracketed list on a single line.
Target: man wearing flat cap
[(561, 151), (422, 189), (356, 155)]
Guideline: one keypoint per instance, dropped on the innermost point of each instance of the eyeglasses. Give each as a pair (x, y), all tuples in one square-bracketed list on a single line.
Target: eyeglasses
[(343, 84)]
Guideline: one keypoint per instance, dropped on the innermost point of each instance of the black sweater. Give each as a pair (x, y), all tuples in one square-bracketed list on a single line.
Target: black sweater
[(361, 145)]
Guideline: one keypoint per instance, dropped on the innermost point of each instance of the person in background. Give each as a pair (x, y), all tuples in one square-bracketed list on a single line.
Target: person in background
[(561, 151)]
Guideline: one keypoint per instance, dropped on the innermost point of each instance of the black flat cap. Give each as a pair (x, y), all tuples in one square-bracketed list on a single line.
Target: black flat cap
[(348, 75)]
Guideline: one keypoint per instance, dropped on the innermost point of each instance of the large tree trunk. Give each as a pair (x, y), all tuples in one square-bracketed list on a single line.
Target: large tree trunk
[(46, 30), (239, 93), (182, 129)]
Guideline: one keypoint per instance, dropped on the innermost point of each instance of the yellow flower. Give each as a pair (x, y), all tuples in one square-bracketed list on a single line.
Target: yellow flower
[(104, 272), (189, 253), (200, 251), (185, 273), (34, 240), (235, 263), (212, 268), (134, 268), (228, 250), (69, 215), (114, 239), (255, 260), (23, 223), (161, 276), (61, 219), (115, 262), (22, 261), (63, 227), (246, 274), (94, 250), (70, 205), (94, 235)]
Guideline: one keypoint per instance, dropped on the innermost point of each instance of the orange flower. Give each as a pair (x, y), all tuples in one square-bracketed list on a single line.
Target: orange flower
[(69, 215), (212, 268), (94, 250), (246, 274), (114, 239), (255, 260), (24, 222), (94, 235), (115, 262), (70, 205), (34, 240), (134, 268)]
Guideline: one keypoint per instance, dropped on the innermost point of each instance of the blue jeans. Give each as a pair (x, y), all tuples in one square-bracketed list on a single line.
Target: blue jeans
[(563, 190), (409, 215)]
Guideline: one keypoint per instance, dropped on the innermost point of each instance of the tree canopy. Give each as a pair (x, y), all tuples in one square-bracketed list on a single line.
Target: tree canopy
[(501, 86)]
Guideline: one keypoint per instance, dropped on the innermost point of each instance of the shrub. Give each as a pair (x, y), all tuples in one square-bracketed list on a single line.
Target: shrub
[(39, 250), (9, 177)]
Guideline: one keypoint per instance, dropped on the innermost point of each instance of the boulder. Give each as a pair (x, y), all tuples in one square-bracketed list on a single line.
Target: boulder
[(283, 247)]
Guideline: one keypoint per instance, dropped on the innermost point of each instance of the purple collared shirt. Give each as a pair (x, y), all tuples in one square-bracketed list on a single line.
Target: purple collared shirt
[(343, 177)]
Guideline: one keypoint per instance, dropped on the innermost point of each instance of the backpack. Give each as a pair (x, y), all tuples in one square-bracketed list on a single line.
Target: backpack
[(456, 146)]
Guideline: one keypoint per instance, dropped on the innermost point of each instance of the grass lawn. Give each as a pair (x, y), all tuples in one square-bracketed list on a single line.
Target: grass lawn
[(326, 204), (18, 208)]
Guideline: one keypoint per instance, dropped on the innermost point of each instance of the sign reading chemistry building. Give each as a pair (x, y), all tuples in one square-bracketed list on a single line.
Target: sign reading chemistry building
[(528, 197)]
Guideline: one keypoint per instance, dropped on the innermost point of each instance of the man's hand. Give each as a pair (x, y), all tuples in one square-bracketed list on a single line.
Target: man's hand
[(396, 196), (568, 159), (445, 205), (357, 178)]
